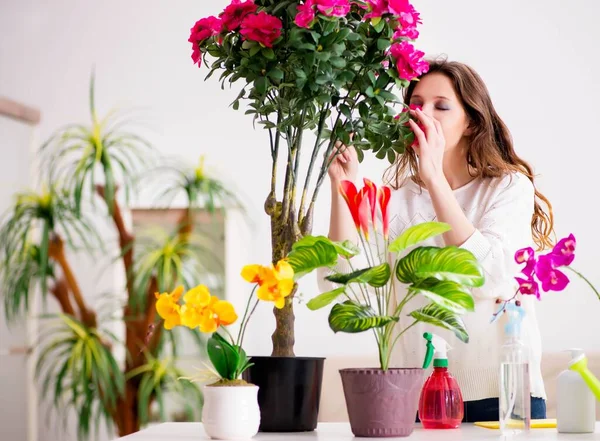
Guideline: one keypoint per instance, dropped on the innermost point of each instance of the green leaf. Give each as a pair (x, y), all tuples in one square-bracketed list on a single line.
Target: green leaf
[(305, 259), (325, 298), (389, 96), (323, 56), (268, 53), (345, 110), (436, 316), (276, 74), (352, 318), (338, 62), (416, 234), (449, 263), (261, 85), (223, 356), (379, 25), (448, 295), (255, 50), (383, 44), (376, 276), (346, 248)]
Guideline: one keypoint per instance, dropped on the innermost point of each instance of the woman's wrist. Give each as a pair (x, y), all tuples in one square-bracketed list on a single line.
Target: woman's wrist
[(437, 182)]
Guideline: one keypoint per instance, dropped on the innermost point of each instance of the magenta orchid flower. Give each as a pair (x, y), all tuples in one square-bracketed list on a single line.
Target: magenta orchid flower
[(526, 256), (528, 287), (564, 251), (551, 278)]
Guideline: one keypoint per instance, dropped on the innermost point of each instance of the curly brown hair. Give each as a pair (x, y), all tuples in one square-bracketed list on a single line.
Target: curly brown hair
[(490, 152)]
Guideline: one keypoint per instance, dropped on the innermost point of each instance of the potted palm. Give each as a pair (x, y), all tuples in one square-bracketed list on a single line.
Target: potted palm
[(230, 408), (383, 401), (322, 66)]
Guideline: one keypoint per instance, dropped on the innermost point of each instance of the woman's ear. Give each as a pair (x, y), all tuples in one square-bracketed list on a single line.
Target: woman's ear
[(468, 129)]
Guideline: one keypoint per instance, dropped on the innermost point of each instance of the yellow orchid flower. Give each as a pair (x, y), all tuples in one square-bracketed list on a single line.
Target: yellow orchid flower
[(225, 312), (168, 308), (253, 273), (198, 296)]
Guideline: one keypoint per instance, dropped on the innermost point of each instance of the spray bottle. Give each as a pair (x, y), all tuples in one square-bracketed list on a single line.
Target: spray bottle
[(441, 405), (515, 386), (575, 403)]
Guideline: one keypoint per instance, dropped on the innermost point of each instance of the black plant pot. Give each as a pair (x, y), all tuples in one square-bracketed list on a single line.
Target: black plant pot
[(289, 392)]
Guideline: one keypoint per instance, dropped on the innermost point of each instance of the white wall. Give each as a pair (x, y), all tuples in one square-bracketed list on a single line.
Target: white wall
[(537, 62)]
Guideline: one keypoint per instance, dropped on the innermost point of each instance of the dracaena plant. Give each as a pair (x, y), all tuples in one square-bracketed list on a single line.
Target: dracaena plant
[(326, 66), (209, 314), (443, 275), (544, 270)]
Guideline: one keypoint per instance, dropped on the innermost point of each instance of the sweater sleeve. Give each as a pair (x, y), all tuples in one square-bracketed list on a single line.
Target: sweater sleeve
[(504, 227)]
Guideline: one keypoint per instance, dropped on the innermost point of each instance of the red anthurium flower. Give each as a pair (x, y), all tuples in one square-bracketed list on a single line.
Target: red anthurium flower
[(371, 191), (358, 204), (564, 251), (528, 287), (350, 193), (362, 201), (383, 197), (551, 278), (526, 256)]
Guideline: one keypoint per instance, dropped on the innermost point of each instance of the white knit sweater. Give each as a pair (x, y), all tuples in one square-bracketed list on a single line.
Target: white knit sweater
[(501, 211)]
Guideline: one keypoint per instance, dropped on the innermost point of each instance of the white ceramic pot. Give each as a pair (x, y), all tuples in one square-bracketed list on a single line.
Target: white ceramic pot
[(231, 412)]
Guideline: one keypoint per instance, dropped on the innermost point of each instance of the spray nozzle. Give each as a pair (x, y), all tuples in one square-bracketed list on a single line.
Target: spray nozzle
[(515, 316), (437, 346)]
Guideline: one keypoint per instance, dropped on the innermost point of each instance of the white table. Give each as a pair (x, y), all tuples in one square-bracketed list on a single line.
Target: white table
[(341, 432)]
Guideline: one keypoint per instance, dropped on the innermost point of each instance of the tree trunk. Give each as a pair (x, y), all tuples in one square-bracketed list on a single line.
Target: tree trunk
[(283, 236)]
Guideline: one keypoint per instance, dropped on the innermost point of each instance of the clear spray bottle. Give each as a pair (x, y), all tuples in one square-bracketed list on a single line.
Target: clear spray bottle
[(515, 388)]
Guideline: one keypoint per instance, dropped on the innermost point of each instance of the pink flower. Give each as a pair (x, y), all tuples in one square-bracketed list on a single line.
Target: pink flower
[(410, 33), (233, 14), (409, 61), (563, 252), (333, 8), (526, 256), (398, 7), (203, 29), (262, 27), (415, 142), (306, 14), (528, 287), (376, 8), (551, 278)]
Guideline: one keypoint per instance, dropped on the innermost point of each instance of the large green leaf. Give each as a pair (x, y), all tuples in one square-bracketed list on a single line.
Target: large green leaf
[(353, 318), (305, 259), (449, 295), (375, 276), (449, 263), (416, 234), (223, 355), (434, 315), (325, 298), (346, 248)]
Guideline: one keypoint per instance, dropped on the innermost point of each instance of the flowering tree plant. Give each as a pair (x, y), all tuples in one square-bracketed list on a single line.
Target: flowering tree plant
[(442, 275), (209, 314), (327, 66), (545, 270)]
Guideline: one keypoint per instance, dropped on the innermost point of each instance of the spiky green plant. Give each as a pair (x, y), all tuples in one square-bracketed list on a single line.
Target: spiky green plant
[(77, 363), (50, 212), (79, 371), (76, 152), (158, 377)]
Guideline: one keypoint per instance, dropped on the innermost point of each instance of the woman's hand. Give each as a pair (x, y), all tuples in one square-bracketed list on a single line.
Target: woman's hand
[(430, 148), (344, 163)]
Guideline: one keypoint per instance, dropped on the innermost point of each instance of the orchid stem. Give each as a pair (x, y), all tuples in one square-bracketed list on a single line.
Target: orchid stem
[(585, 280)]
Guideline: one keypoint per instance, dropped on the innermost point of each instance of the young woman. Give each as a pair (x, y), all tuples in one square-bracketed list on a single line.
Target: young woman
[(464, 171)]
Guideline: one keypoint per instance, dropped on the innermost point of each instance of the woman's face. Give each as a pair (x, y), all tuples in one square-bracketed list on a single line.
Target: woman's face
[(435, 94)]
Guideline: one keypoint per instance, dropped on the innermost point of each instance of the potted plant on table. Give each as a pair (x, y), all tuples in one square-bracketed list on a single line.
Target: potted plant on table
[(230, 408), (383, 401), (327, 66)]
